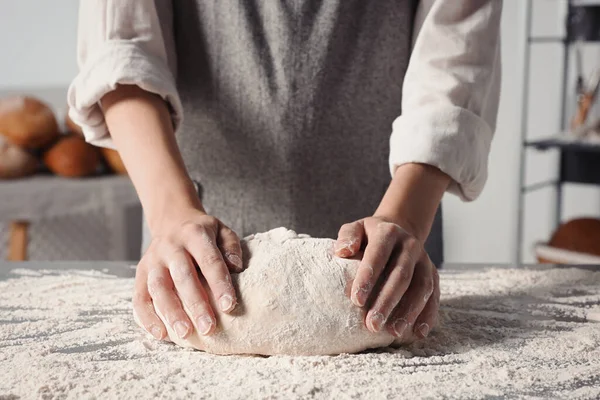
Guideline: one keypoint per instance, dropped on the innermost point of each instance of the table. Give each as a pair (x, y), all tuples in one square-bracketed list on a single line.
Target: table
[(66, 331)]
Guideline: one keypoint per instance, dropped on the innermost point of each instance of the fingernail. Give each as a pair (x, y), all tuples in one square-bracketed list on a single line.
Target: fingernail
[(360, 294), (205, 324), (424, 330), (400, 326), (182, 329), (156, 332), (226, 302), (235, 260), (342, 245), (377, 319)]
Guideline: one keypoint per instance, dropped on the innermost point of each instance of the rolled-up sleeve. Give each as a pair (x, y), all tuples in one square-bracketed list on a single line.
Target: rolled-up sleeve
[(451, 92), (122, 42)]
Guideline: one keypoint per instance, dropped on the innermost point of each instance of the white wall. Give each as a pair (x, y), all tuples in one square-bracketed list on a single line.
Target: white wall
[(484, 231), (38, 40)]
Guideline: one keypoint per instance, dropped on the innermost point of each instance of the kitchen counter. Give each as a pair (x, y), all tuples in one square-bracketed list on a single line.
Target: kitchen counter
[(66, 331)]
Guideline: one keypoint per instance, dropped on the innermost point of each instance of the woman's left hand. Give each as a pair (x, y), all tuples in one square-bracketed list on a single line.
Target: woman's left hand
[(395, 280)]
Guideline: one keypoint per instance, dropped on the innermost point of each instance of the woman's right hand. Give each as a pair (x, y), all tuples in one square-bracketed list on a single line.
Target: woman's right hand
[(184, 237), (168, 282)]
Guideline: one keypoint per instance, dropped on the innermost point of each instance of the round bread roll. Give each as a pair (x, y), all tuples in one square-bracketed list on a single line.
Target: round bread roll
[(72, 157), (27, 122), (72, 126), (580, 235), (14, 161), (113, 159)]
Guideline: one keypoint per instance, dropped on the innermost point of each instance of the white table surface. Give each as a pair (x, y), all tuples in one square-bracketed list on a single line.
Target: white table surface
[(87, 354)]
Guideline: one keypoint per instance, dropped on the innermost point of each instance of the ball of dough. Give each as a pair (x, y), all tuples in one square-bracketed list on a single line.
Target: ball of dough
[(27, 122), (72, 157), (113, 159), (14, 161), (293, 298)]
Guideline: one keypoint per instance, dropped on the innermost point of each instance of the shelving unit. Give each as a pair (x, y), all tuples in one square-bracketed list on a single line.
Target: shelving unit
[(579, 162)]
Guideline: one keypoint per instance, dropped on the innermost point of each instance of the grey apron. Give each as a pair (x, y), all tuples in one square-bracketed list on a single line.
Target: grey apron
[(288, 108)]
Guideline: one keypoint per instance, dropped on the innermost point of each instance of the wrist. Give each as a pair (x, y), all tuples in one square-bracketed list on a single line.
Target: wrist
[(413, 198), (171, 204)]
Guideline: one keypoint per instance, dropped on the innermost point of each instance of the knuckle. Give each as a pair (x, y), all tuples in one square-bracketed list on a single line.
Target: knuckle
[(150, 259), (168, 245), (384, 307), (414, 246), (230, 234), (387, 230), (223, 286), (181, 271), (197, 307), (210, 220), (428, 286), (141, 270), (407, 262), (404, 274), (212, 259), (346, 227), (156, 284), (190, 228), (411, 317), (175, 314), (436, 277), (140, 300)]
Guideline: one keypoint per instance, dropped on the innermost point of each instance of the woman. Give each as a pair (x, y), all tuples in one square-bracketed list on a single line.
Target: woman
[(282, 111)]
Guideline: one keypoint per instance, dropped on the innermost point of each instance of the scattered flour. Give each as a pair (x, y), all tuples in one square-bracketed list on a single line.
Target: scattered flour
[(69, 334)]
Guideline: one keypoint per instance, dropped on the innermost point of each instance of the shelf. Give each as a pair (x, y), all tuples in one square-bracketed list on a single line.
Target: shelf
[(540, 185), (585, 3), (564, 143), (583, 21), (579, 161), (547, 39)]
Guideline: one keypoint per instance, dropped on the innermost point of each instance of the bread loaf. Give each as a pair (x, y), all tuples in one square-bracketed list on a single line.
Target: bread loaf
[(72, 157), (72, 126), (27, 122), (580, 235), (14, 161), (113, 159)]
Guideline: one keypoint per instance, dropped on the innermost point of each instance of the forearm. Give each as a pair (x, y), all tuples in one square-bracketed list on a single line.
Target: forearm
[(413, 197), (141, 128)]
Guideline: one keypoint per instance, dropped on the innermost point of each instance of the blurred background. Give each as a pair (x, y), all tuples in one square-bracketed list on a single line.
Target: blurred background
[(541, 201)]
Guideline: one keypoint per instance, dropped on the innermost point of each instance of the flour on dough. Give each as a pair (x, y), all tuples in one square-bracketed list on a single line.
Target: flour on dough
[(291, 300)]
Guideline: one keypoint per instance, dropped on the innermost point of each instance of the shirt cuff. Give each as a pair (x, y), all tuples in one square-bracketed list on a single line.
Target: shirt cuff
[(118, 62), (453, 139)]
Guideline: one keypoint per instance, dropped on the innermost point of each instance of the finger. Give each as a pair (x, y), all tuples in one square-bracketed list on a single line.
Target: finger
[(427, 320), (229, 244), (413, 302), (166, 302), (349, 239), (377, 254), (201, 244), (399, 274), (190, 291), (143, 307)]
